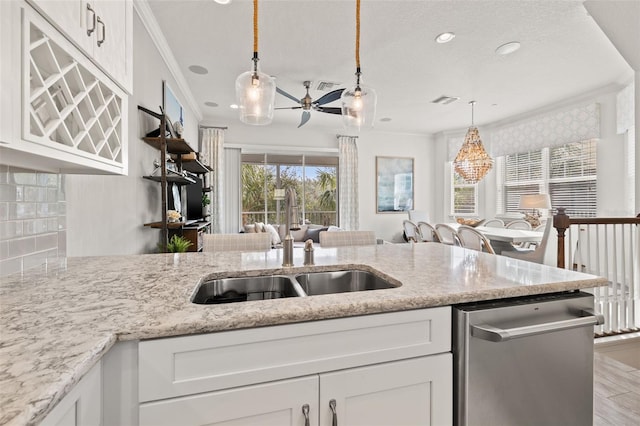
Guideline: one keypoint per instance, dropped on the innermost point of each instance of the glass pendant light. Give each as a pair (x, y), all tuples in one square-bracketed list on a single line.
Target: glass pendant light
[(472, 162), (255, 90), (359, 103)]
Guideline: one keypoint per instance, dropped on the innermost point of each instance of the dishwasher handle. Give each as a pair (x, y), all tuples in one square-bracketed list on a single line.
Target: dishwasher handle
[(495, 334)]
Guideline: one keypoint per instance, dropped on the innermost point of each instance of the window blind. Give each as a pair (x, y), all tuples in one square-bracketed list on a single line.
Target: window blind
[(464, 197), (568, 173), (573, 178), (523, 174)]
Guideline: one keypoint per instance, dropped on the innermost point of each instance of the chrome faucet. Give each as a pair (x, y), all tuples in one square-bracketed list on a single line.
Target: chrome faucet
[(291, 207)]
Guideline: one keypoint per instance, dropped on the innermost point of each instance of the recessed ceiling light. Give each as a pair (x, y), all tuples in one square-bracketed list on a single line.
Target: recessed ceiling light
[(508, 48), (445, 37), (385, 119), (234, 106), (211, 104), (222, 1), (197, 69)]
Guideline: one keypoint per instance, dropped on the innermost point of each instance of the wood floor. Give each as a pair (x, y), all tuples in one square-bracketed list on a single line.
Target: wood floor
[(617, 385)]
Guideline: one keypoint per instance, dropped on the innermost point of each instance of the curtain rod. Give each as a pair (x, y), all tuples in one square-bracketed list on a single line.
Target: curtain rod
[(349, 136), (212, 127)]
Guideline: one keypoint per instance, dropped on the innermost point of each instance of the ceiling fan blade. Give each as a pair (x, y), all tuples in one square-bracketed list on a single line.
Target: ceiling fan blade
[(329, 97), (306, 115), (329, 110), (283, 93), (298, 107)]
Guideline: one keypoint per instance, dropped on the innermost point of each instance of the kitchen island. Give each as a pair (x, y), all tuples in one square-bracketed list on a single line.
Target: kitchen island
[(57, 323)]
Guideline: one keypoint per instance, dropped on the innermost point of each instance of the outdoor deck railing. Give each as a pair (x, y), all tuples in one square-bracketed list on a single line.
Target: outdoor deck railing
[(608, 247), (318, 217)]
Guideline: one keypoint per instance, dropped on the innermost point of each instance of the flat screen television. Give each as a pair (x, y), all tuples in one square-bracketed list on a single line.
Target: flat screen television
[(194, 199)]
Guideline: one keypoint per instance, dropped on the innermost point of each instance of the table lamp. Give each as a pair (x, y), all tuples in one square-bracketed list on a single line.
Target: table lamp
[(534, 202)]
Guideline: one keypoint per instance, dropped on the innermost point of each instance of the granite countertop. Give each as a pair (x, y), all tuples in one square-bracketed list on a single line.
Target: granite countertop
[(58, 321)]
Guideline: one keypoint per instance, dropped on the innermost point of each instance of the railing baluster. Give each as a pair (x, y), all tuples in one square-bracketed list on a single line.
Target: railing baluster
[(607, 302), (623, 281)]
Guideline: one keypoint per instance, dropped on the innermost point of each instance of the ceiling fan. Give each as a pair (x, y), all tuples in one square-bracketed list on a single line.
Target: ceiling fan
[(307, 103)]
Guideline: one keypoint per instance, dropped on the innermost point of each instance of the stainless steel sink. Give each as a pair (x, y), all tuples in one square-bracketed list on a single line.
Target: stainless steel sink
[(315, 283), (242, 289)]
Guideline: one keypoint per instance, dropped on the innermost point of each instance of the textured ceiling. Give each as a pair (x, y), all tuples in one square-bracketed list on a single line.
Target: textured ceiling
[(563, 54)]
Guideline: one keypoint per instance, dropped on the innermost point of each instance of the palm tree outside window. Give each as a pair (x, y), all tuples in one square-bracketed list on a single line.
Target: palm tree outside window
[(314, 178)]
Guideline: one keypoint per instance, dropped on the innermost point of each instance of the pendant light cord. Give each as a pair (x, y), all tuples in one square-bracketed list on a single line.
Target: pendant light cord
[(255, 29), (472, 105), (358, 35)]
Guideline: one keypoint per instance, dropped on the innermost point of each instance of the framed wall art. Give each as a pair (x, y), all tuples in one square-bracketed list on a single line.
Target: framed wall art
[(394, 184), (173, 109)]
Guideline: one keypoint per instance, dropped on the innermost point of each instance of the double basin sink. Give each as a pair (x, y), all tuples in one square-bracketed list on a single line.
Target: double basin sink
[(242, 289)]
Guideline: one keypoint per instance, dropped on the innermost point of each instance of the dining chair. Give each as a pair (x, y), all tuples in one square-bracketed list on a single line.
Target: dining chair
[(539, 228), (447, 235), (411, 231), (519, 224), (532, 255), (474, 240), (494, 223), (427, 232)]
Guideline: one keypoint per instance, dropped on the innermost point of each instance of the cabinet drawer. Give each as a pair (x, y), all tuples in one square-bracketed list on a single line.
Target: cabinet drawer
[(201, 363)]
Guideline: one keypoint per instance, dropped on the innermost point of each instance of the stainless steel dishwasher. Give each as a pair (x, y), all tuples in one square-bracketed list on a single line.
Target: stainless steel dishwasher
[(525, 361)]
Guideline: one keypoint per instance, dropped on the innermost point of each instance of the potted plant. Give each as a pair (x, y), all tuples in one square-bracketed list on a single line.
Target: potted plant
[(205, 202), (178, 244)]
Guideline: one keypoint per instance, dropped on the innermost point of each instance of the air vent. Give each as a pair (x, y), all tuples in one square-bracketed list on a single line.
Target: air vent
[(444, 100), (327, 85)]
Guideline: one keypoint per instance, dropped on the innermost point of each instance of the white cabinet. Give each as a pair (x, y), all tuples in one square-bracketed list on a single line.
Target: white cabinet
[(410, 392), (101, 28), (60, 112), (393, 368), (82, 406)]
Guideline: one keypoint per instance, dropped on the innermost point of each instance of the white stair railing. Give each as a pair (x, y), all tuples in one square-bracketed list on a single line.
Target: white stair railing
[(610, 248)]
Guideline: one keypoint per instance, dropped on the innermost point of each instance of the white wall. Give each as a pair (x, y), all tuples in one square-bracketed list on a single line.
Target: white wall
[(105, 214)]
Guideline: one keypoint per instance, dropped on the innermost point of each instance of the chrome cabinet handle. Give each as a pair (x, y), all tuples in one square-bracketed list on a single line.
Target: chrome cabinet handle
[(305, 412), (334, 416), (495, 334), (104, 32), (93, 19)]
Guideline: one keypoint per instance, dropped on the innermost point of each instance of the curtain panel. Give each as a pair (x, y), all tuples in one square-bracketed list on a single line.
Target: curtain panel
[(213, 144), (349, 213), (232, 190), (547, 130)]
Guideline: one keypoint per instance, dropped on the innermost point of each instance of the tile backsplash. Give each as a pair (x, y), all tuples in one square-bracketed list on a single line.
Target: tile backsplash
[(32, 219)]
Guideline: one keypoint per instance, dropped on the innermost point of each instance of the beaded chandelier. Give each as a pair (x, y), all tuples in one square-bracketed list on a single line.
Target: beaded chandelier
[(472, 162)]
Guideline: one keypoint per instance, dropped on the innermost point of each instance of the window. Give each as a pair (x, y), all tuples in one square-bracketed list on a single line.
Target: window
[(567, 173), (314, 179), (464, 199)]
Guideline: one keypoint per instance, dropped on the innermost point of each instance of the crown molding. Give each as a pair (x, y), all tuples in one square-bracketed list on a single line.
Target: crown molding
[(158, 38)]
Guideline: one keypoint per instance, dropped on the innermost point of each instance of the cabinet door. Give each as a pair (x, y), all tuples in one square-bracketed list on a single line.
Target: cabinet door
[(269, 404), (417, 391), (109, 41), (68, 16), (71, 112)]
